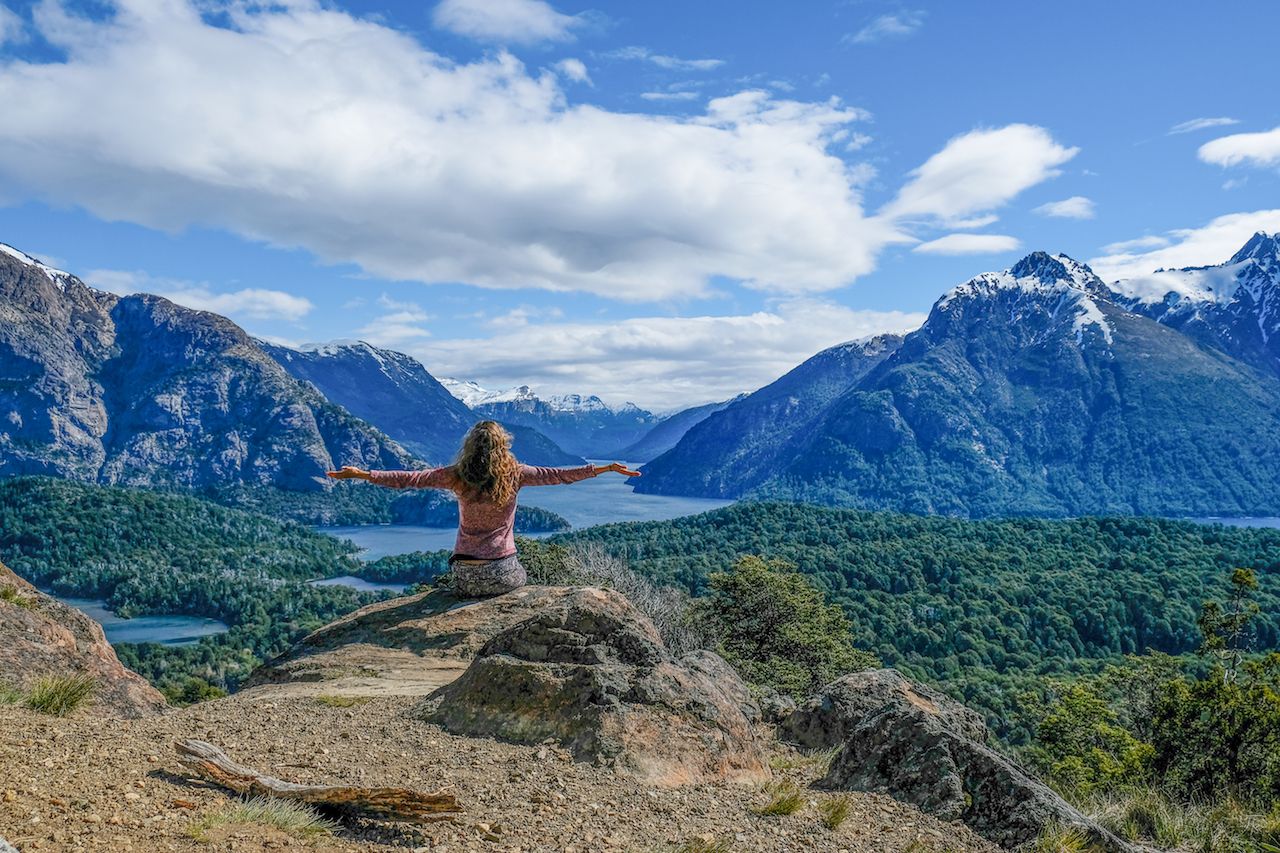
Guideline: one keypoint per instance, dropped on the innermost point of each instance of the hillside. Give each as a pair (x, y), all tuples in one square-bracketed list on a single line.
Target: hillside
[(395, 393), (1026, 392), (668, 432), (981, 607), (137, 390)]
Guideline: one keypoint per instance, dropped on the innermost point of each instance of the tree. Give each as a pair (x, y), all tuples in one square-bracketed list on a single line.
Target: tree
[(774, 627), (1226, 627)]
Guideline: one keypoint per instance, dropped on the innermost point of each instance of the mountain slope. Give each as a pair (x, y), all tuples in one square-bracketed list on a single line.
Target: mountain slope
[(141, 391), (668, 431), (1028, 392), (397, 394), (1234, 306), (584, 425), (737, 448)]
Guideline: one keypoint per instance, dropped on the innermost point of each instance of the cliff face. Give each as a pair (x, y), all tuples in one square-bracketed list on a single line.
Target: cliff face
[(41, 636), (137, 390)]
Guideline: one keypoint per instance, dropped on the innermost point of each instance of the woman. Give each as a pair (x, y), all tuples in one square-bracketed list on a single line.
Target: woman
[(486, 478)]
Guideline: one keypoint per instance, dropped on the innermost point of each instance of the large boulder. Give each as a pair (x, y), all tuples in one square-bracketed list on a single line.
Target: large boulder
[(827, 718), (904, 740), (40, 636), (590, 672)]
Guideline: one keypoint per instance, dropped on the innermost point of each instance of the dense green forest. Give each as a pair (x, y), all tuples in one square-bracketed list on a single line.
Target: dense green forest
[(152, 552), (983, 608)]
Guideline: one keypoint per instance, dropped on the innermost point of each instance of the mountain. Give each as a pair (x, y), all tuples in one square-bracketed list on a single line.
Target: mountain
[(584, 425), (138, 390), (668, 432), (395, 393), (1234, 307), (1026, 392), (736, 448)]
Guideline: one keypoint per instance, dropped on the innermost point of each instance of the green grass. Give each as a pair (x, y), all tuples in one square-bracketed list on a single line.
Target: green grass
[(818, 760), (60, 695), (1060, 839), (699, 845), (834, 810), (342, 701), (784, 799), (10, 695), (12, 596), (1148, 817), (296, 819)]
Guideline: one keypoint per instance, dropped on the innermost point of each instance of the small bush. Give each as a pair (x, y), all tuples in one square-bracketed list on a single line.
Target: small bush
[(60, 695), (341, 701), (11, 595), (835, 810), (296, 819), (784, 799), (192, 690)]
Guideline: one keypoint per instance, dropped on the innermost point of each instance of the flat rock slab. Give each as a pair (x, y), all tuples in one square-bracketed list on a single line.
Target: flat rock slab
[(408, 646)]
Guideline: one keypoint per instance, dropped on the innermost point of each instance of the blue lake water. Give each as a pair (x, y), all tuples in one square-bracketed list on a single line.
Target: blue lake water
[(167, 630), (361, 584), (1273, 523), (602, 500)]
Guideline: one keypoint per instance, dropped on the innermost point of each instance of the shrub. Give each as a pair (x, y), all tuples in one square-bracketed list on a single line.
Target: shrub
[(61, 695), (1081, 746), (193, 689), (773, 626)]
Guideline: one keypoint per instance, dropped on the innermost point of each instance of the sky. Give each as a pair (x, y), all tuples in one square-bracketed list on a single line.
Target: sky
[(663, 202)]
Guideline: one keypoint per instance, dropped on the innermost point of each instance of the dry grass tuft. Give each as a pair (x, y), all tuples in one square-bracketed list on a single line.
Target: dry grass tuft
[(60, 695), (834, 810), (342, 701), (296, 819), (703, 845), (12, 596), (784, 799)]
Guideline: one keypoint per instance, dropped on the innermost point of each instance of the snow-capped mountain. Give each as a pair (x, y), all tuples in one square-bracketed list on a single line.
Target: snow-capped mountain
[(395, 393), (582, 424), (1234, 306), (1030, 391)]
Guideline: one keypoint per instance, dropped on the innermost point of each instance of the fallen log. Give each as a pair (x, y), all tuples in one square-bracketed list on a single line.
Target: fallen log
[(214, 765)]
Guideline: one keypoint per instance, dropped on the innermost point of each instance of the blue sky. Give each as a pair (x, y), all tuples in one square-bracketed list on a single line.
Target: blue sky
[(660, 202)]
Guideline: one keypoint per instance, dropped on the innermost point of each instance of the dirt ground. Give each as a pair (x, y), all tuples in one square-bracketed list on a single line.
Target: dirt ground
[(90, 783)]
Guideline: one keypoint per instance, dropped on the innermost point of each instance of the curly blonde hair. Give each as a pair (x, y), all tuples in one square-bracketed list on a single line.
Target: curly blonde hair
[(485, 465)]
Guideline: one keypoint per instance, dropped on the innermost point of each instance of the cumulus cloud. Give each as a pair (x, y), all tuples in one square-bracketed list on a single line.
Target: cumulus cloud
[(1189, 247), (1151, 241), (250, 303), (1076, 207), (12, 30), (505, 21), (1201, 124), (670, 96), (299, 125), (573, 69), (979, 171), (893, 25), (400, 324), (671, 63), (659, 362), (1254, 149), (968, 244)]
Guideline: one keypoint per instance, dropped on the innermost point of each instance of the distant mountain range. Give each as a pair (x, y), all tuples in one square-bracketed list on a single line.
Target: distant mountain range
[(1039, 390), (581, 424), (397, 393), (138, 390)]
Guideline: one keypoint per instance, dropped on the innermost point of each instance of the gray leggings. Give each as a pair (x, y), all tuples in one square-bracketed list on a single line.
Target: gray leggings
[(482, 578)]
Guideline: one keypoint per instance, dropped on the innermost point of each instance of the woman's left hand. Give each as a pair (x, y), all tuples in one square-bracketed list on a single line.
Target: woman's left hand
[(619, 468)]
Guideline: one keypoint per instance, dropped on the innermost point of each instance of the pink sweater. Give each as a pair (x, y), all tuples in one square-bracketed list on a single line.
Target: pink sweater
[(485, 530)]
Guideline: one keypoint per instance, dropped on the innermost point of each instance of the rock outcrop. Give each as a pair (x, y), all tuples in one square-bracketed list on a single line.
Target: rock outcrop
[(899, 738), (41, 636), (589, 671)]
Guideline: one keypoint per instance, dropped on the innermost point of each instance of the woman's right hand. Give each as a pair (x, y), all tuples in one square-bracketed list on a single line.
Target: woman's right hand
[(349, 472)]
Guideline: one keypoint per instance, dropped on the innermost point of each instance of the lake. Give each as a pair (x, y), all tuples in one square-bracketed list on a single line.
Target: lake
[(602, 500), (1273, 523), (166, 630)]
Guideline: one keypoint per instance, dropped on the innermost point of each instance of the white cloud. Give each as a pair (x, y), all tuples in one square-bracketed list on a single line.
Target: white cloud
[(897, 24), (300, 126), (573, 69), (659, 362), (1201, 124), (671, 63), (670, 96), (505, 21), (1254, 149), (250, 303), (1123, 246), (12, 30), (979, 171), (968, 244), (399, 326), (1076, 207), (1190, 247)]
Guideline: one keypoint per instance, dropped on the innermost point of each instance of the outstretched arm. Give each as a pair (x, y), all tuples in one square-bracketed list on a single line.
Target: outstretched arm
[(432, 478), (531, 475)]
